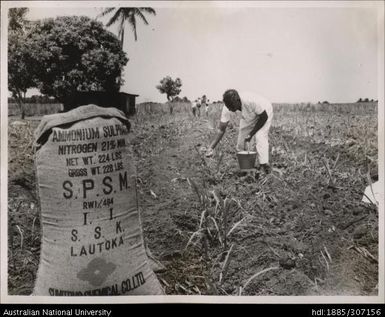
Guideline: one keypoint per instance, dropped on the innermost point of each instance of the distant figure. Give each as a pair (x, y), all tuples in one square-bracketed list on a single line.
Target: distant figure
[(204, 104), (170, 106), (257, 114), (199, 107), (207, 108), (194, 107)]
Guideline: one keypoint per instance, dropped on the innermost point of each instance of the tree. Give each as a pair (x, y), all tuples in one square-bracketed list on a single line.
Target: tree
[(127, 16), (70, 54), (170, 87), (16, 19), (19, 74)]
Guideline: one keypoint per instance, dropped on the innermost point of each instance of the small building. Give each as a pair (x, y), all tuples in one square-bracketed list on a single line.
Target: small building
[(120, 100)]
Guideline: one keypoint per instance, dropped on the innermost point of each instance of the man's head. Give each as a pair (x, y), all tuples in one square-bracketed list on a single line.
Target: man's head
[(232, 100)]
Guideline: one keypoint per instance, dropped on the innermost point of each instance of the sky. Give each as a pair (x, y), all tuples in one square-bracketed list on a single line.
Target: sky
[(285, 53)]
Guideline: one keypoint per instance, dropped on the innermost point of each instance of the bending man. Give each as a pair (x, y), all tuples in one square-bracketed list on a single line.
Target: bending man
[(257, 113)]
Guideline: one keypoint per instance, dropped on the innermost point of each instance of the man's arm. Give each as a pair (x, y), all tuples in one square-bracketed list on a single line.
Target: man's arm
[(218, 137), (260, 122), (221, 131)]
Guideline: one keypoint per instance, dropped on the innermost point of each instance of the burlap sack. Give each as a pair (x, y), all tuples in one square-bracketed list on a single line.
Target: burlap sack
[(92, 241)]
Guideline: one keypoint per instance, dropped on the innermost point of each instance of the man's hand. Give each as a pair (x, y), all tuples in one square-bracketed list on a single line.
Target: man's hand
[(209, 152), (248, 138)]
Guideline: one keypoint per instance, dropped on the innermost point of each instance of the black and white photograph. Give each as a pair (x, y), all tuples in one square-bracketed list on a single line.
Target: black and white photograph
[(192, 151)]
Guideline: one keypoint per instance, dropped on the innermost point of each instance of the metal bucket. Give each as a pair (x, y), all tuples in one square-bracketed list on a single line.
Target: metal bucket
[(246, 159)]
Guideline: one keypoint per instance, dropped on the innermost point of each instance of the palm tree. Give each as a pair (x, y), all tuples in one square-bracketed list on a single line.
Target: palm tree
[(127, 15)]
